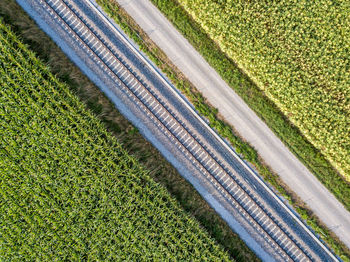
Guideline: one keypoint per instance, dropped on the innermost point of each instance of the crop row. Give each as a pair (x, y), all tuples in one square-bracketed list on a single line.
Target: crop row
[(68, 190)]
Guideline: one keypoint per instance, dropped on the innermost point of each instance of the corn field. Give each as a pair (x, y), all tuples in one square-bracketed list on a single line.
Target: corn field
[(298, 53), (68, 190)]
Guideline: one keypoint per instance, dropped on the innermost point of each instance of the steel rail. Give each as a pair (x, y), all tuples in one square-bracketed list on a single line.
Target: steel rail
[(188, 106), (170, 133)]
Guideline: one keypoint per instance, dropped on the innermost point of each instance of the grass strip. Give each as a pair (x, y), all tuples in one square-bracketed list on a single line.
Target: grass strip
[(250, 93), (257, 100)]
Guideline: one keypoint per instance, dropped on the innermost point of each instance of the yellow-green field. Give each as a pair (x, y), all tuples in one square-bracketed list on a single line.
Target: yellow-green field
[(298, 53)]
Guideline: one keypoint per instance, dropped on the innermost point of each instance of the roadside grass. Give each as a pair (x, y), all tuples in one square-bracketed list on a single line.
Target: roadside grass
[(69, 191), (254, 97), (125, 133), (257, 100)]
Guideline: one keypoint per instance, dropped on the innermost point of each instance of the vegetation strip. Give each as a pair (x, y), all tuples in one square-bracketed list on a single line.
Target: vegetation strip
[(257, 99), (119, 127), (69, 191)]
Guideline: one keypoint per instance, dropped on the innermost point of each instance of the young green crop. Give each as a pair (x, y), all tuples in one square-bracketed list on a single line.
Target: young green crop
[(68, 191), (298, 53)]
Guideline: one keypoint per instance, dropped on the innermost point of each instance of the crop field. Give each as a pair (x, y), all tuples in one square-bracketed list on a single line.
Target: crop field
[(297, 52), (68, 190)]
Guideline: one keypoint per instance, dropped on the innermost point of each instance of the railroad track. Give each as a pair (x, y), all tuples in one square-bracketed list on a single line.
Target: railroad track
[(220, 176)]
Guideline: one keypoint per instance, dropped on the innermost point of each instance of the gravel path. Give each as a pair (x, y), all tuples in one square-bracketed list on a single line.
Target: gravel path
[(241, 117)]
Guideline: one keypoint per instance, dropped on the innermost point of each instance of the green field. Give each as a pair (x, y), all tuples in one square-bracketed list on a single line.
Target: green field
[(68, 190), (297, 52)]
